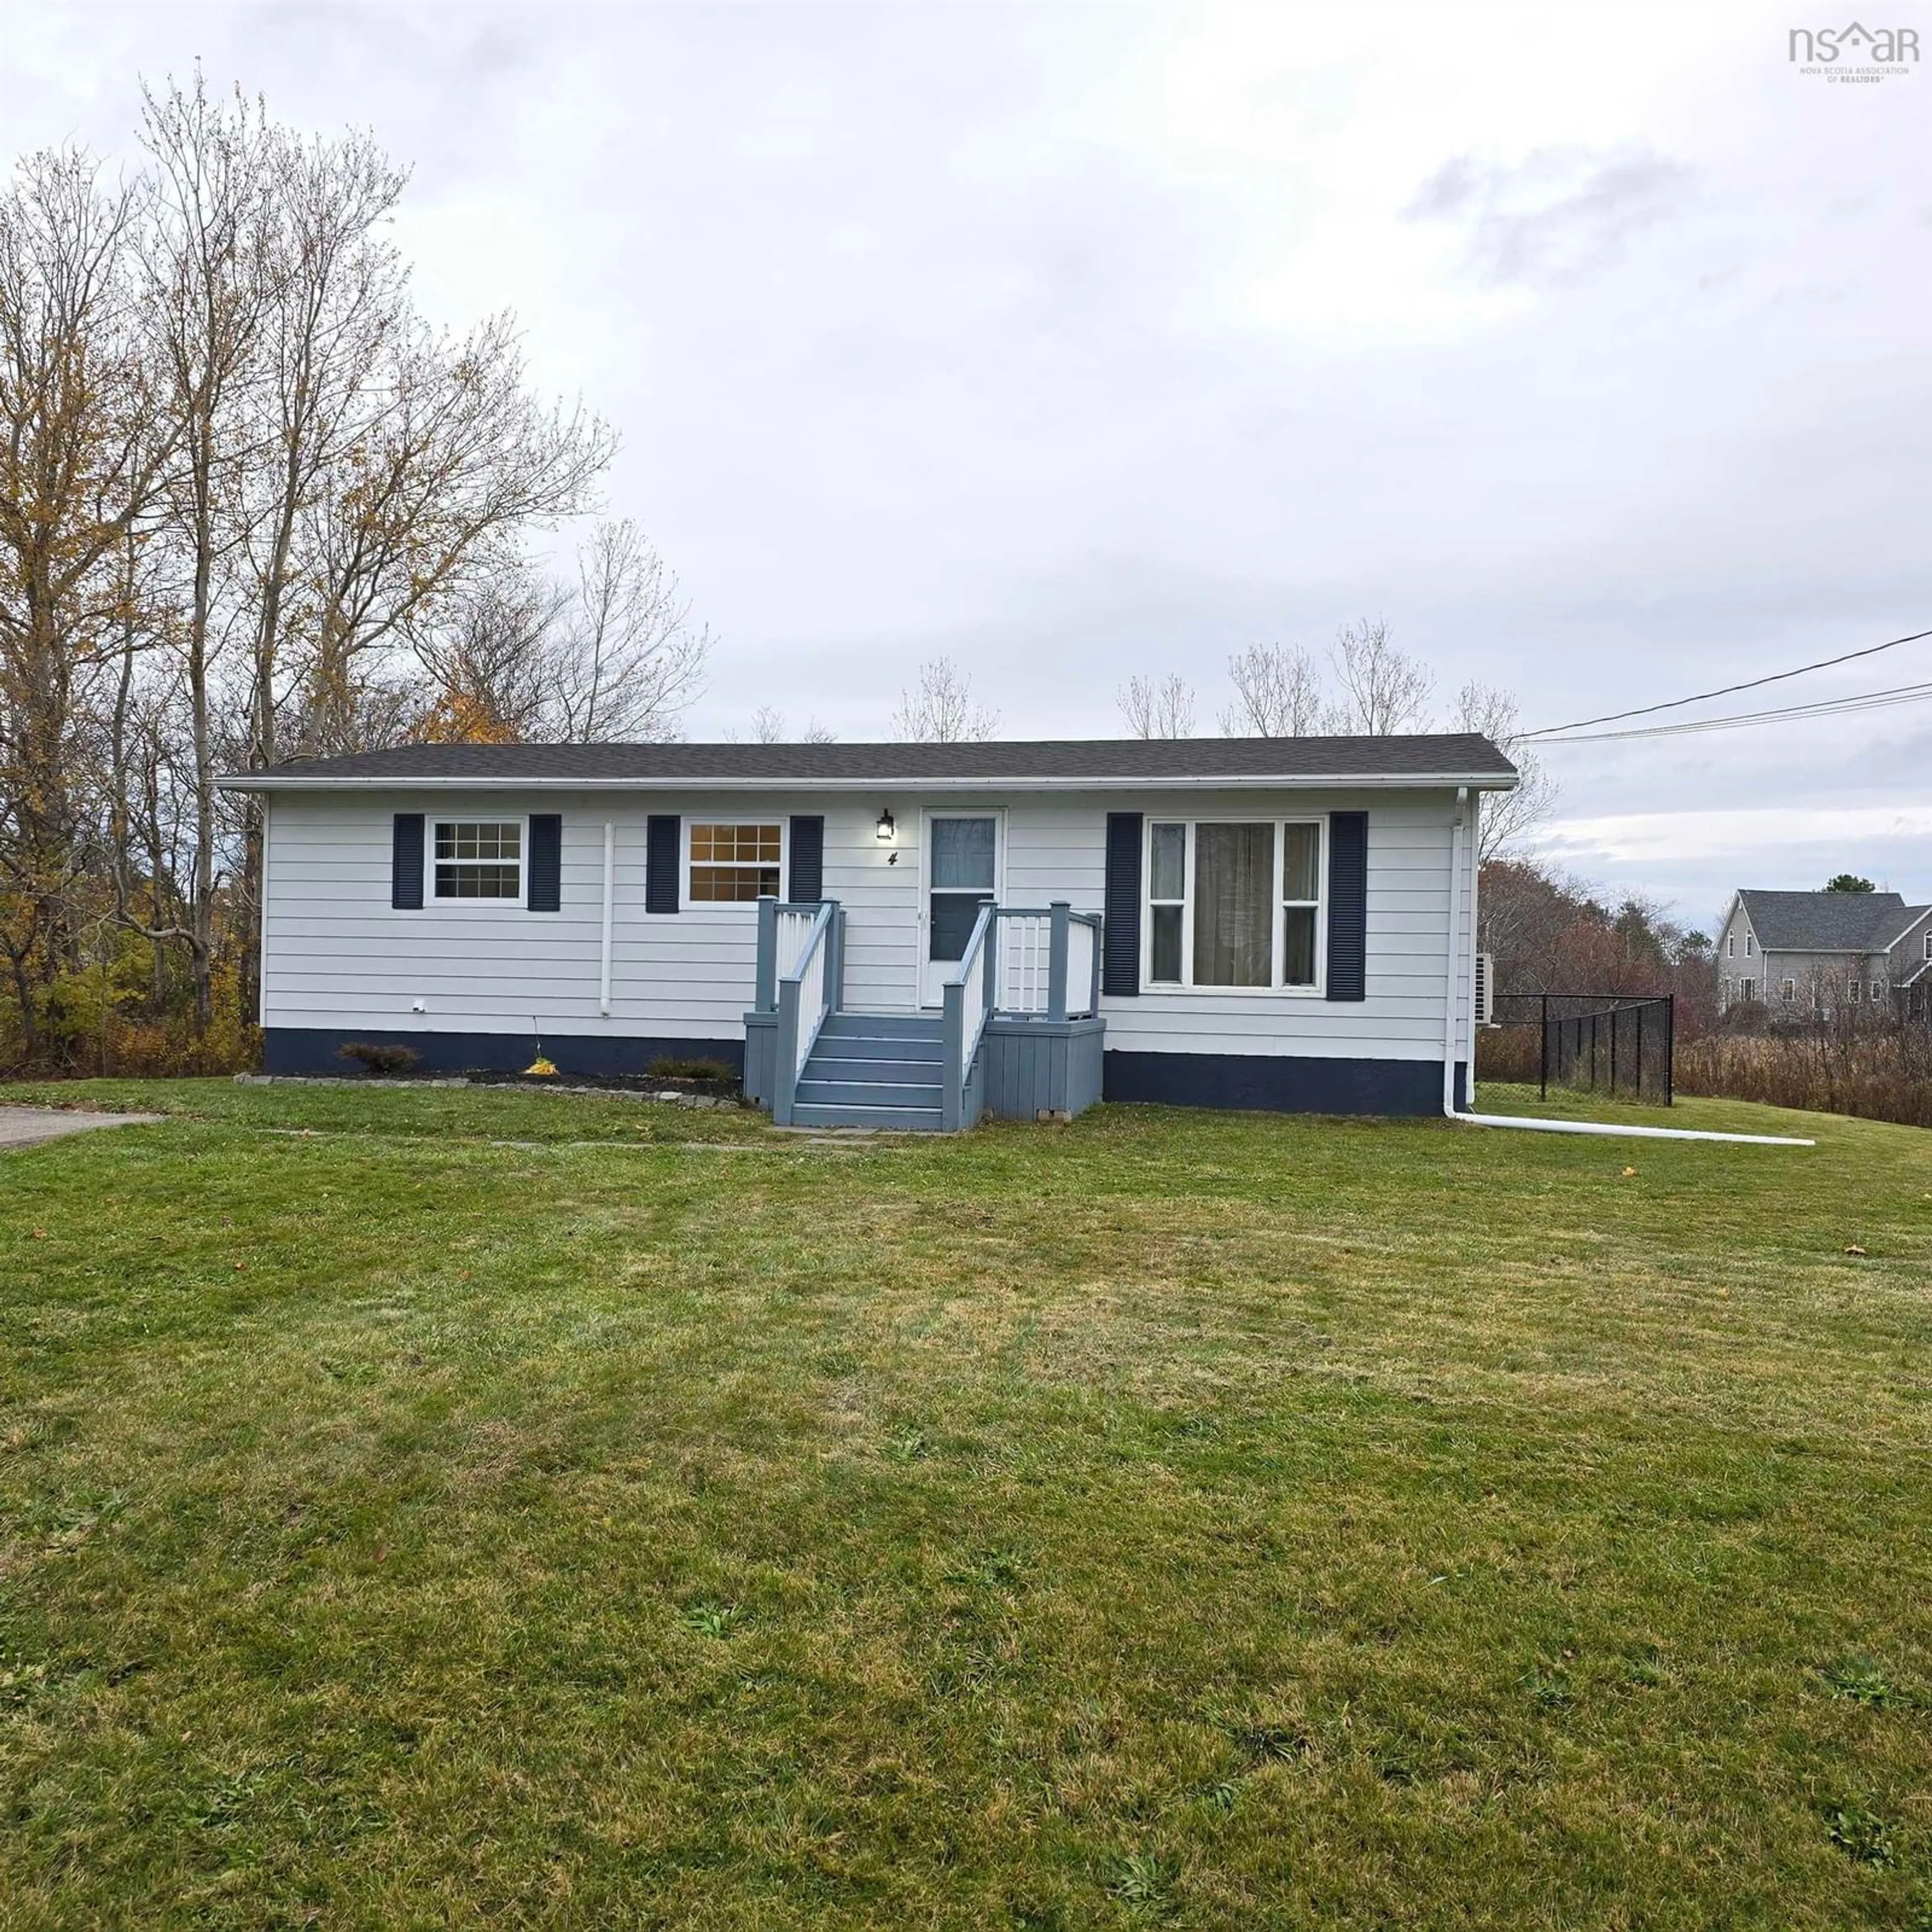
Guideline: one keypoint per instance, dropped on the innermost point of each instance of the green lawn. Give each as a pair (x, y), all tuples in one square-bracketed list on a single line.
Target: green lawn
[(459, 1508)]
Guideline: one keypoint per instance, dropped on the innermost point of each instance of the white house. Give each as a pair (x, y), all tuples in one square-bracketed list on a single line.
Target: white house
[(908, 935)]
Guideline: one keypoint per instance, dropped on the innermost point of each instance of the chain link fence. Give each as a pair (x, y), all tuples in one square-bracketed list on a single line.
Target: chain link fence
[(1619, 1044)]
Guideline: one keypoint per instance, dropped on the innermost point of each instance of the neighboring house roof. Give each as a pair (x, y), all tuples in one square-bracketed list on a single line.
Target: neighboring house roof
[(1826, 921), (1446, 758)]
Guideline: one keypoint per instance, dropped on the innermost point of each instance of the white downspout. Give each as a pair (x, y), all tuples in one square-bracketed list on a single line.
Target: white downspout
[(1522, 1122), (1455, 972), (610, 899)]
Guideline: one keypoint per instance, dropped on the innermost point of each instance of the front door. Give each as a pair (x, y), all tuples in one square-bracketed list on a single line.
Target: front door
[(962, 856)]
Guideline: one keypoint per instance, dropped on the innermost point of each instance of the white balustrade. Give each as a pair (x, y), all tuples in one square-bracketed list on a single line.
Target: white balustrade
[(1026, 948), (1082, 939), (811, 1002), (794, 934)]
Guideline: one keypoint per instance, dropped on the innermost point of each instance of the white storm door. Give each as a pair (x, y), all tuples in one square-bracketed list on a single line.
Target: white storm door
[(962, 871)]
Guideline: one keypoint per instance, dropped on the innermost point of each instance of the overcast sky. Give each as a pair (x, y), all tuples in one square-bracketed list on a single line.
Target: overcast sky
[(1587, 346)]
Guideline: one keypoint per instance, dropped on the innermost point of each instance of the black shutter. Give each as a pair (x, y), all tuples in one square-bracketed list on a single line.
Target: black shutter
[(1120, 936), (406, 863), (1348, 905), (662, 857), (546, 862), (807, 883)]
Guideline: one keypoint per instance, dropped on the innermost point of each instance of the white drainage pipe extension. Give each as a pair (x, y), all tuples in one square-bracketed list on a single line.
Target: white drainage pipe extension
[(1523, 1122)]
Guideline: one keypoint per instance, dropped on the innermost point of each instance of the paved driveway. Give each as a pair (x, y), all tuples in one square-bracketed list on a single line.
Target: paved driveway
[(21, 1126)]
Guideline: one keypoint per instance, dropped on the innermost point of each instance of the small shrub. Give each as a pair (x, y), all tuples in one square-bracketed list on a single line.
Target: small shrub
[(666, 1068), (379, 1056)]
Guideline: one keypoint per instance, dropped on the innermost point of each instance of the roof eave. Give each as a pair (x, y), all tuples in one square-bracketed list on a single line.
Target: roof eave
[(267, 781)]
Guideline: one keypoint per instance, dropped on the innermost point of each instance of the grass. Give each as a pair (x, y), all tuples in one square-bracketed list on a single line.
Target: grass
[(455, 1507)]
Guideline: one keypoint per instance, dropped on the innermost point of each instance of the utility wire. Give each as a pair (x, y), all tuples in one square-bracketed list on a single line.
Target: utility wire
[(1723, 691), (1828, 707)]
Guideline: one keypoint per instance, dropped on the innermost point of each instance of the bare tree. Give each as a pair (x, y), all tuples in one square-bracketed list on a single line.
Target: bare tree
[(1507, 818), (1277, 694), (339, 297), (209, 293), (433, 498), (1162, 710), (81, 449), (514, 655), (1384, 690), (246, 498), (942, 711), (768, 727), (627, 663), (493, 662)]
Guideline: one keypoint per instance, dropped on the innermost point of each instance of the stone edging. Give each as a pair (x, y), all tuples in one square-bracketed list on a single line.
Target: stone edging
[(666, 1095)]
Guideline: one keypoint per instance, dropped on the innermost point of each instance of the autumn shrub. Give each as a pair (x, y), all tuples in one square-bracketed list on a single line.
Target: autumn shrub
[(101, 1020), (379, 1056)]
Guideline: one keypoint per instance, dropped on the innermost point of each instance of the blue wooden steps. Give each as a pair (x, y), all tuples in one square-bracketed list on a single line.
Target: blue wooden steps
[(873, 1070)]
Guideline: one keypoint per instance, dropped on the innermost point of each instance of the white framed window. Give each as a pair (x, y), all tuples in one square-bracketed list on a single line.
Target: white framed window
[(734, 864), (1928, 945), (1235, 904), (1730, 946), (1747, 990), (1856, 989), (1750, 945), (1878, 989), (1787, 990), (478, 859)]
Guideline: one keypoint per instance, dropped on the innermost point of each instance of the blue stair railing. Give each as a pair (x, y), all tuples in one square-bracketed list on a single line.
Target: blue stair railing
[(1029, 962), (801, 967)]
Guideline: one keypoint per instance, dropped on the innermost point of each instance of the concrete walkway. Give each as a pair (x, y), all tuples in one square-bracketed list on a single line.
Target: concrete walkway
[(23, 1127)]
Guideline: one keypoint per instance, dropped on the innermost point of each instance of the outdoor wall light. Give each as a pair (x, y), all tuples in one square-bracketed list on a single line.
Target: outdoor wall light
[(885, 826)]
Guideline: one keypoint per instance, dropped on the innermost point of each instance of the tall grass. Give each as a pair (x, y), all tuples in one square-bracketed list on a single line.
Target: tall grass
[(1878, 1075)]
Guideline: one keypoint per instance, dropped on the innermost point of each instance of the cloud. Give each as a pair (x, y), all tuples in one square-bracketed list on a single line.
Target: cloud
[(1558, 217), (1750, 831)]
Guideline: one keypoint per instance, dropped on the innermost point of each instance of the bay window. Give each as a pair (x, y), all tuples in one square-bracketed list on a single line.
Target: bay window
[(1234, 903)]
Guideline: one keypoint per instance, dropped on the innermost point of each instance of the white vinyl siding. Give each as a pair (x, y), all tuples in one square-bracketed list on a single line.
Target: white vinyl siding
[(339, 957)]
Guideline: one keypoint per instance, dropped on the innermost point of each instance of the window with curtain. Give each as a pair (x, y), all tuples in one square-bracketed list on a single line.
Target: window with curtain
[(1235, 904)]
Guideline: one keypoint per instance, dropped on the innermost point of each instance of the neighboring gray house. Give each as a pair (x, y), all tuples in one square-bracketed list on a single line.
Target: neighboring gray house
[(909, 935), (1824, 952)]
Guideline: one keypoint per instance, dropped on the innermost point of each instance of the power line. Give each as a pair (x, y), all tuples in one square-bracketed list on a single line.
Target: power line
[(1723, 691), (1827, 707)]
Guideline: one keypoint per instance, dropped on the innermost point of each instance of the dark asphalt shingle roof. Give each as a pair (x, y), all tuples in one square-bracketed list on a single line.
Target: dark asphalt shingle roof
[(1825, 922), (1439, 755)]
